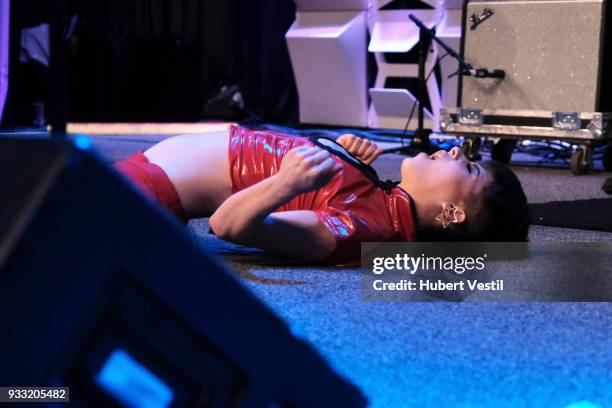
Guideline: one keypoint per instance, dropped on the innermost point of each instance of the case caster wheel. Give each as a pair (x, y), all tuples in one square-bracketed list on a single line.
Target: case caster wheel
[(470, 148), (502, 150), (581, 160), (607, 158)]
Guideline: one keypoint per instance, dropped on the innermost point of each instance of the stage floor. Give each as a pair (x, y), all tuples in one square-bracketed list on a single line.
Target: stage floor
[(436, 354)]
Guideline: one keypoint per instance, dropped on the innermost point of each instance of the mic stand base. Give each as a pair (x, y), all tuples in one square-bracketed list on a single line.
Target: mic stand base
[(419, 144)]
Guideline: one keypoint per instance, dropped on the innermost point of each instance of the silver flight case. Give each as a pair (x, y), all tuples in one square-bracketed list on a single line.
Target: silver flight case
[(584, 129)]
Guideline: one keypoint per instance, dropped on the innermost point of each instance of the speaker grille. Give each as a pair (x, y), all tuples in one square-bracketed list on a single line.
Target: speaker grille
[(550, 51)]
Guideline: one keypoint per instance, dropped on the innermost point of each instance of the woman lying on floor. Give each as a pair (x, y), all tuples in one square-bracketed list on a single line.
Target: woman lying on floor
[(285, 195)]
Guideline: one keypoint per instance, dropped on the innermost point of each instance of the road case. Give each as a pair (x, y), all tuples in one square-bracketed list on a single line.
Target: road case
[(506, 127)]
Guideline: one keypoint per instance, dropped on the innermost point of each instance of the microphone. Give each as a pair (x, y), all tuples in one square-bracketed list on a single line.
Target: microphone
[(485, 73)]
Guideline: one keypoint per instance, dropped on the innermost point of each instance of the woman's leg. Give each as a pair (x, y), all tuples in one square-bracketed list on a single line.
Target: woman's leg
[(198, 167)]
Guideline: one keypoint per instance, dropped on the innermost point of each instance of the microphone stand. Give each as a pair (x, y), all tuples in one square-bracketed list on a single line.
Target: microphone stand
[(420, 141), (58, 79), (431, 33), (421, 135)]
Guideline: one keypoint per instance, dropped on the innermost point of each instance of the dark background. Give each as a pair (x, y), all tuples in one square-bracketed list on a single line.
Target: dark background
[(162, 60)]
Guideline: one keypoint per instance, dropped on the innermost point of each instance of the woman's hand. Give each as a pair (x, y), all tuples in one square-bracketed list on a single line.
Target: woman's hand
[(305, 169), (363, 149)]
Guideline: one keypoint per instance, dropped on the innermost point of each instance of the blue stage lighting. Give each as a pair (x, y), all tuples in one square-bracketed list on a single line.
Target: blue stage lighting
[(132, 383), (82, 142)]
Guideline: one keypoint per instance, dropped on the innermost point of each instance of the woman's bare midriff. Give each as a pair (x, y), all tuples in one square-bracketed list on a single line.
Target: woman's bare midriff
[(198, 166)]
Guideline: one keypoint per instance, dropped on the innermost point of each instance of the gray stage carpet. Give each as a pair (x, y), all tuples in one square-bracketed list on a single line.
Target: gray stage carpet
[(437, 354)]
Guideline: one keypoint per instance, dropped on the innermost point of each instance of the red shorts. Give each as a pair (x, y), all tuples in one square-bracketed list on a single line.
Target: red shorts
[(155, 183)]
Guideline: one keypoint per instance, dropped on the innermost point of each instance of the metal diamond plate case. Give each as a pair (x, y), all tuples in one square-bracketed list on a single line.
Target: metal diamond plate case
[(550, 51)]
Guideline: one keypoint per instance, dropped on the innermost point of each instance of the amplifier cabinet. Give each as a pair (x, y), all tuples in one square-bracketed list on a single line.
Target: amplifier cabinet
[(552, 52)]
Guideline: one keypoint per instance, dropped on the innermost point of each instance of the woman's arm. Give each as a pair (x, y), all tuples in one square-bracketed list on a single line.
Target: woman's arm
[(246, 217)]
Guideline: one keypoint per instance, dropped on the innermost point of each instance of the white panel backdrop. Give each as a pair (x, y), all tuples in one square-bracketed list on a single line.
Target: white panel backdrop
[(328, 43)]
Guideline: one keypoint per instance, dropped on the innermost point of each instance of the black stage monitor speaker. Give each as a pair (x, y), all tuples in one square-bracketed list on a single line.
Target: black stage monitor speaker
[(104, 292)]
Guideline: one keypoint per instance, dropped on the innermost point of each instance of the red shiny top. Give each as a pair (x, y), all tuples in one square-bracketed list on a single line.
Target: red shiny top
[(350, 206)]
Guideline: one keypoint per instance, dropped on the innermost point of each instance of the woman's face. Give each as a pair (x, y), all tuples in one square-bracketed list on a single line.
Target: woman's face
[(443, 177)]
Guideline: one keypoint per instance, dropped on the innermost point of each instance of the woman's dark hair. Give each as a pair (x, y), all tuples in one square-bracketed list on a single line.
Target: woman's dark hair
[(502, 213)]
